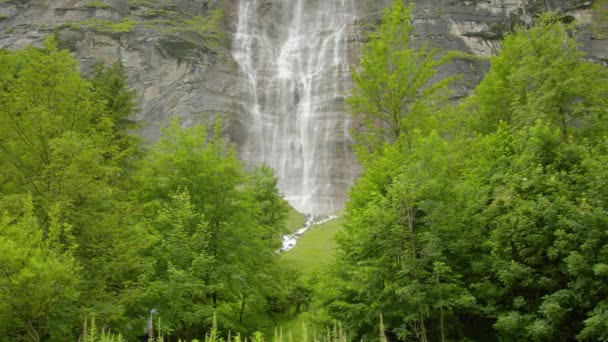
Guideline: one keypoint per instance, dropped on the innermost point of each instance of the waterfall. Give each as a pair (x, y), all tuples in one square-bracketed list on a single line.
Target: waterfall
[(293, 56)]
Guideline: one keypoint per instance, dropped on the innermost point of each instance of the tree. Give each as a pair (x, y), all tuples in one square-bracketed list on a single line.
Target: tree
[(175, 287), (109, 85), (540, 74), (46, 115), (504, 225), (230, 206), (391, 258), (39, 279), (536, 143), (63, 144), (272, 207), (392, 85)]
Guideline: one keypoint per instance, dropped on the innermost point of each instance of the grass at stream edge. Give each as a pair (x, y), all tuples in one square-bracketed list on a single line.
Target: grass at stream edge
[(311, 254), (314, 249)]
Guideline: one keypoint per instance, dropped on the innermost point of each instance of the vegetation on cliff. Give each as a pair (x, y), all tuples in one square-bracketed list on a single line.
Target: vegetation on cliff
[(185, 30)]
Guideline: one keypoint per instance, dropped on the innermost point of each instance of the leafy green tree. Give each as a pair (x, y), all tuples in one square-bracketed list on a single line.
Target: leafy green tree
[(391, 257), (109, 85), (272, 207), (46, 116), (63, 144), (536, 141), (502, 225), (541, 74), (39, 279), (537, 275), (233, 206), (392, 90), (175, 287)]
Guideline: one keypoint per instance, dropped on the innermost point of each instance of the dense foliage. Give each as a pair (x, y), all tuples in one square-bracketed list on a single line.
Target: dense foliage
[(493, 224), (392, 88), (485, 221), (93, 225)]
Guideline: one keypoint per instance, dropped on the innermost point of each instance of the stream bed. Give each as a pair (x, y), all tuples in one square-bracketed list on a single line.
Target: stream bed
[(290, 240)]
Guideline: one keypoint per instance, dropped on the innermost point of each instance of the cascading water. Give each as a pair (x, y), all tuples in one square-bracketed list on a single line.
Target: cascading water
[(294, 58)]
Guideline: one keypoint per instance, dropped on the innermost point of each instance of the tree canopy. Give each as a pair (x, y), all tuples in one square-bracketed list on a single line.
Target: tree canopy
[(490, 229), (392, 90), (94, 225)]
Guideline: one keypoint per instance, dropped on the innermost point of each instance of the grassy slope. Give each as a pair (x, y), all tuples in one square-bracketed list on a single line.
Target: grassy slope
[(313, 251), (295, 220)]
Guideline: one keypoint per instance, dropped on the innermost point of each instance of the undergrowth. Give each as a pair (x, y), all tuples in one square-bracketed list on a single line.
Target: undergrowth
[(334, 334)]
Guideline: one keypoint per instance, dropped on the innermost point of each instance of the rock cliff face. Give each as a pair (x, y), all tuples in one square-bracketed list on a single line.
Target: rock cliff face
[(180, 56), (477, 26), (176, 53)]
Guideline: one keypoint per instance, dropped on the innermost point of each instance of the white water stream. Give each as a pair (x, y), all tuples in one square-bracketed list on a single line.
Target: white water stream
[(293, 55), (290, 240)]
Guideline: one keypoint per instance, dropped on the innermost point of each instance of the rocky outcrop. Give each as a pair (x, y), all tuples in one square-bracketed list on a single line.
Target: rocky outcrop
[(477, 26), (172, 58)]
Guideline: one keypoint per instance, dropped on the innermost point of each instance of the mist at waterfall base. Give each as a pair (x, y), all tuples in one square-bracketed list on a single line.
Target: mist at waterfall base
[(294, 64)]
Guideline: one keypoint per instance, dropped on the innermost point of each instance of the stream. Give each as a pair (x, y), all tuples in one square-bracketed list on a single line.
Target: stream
[(290, 240)]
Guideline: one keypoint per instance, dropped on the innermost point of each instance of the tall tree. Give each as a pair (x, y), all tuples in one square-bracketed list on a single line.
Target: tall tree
[(39, 279), (541, 74), (272, 207), (392, 89), (232, 206), (544, 235), (63, 144), (502, 226), (391, 257)]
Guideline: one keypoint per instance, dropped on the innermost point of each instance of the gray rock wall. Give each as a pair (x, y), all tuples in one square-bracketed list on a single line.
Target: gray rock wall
[(177, 72), (477, 26)]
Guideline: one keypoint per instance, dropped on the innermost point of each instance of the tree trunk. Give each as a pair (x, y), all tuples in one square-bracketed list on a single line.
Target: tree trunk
[(243, 302)]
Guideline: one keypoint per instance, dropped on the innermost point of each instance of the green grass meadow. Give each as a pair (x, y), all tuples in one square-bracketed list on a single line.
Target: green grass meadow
[(295, 220), (314, 251), (315, 248)]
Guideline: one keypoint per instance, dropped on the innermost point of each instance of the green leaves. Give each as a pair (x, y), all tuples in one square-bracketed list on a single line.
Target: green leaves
[(38, 281), (540, 75), (499, 219), (61, 145), (104, 234), (391, 93), (201, 205), (535, 142)]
